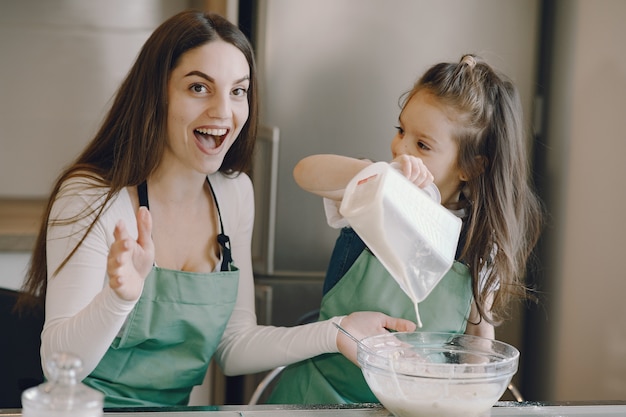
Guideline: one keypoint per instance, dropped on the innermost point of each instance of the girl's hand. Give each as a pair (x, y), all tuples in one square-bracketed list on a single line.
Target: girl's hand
[(368, 323), (414, 169), (130, 261)]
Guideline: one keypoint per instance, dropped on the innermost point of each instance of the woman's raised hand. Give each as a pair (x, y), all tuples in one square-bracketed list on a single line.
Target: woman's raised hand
[(368, 323), (130, 260)]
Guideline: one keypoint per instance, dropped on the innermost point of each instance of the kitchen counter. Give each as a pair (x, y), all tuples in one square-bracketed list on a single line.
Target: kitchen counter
[(19, 223), (528, 409)]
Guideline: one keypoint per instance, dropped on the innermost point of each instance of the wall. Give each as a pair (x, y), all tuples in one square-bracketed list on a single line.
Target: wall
[(13, 267), (580, 333), (61, 63)]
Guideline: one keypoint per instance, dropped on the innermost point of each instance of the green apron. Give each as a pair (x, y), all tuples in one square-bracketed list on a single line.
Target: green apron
[(367, 286), (164, 348)]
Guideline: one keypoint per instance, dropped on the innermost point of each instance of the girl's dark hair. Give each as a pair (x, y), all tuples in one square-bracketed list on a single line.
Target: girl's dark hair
[(132, 138), (505, 217)]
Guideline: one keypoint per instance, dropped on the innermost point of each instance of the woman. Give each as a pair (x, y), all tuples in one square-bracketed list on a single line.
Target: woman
[(143, 258)]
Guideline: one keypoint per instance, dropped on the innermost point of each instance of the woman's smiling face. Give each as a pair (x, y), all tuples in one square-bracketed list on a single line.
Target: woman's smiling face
[(207, 105)]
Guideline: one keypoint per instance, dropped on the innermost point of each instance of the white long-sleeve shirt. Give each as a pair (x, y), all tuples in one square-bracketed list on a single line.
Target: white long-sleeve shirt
[(84, 315)]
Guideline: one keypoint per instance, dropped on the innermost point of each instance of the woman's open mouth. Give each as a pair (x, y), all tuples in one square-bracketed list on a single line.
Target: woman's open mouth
[(210, 138)]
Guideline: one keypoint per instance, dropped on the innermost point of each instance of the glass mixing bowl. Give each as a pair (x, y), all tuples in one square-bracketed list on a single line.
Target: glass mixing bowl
[(436, 374)]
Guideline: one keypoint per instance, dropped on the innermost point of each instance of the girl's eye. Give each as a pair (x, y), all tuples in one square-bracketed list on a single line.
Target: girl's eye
[(400, 130), (423, 146), (198, 88)]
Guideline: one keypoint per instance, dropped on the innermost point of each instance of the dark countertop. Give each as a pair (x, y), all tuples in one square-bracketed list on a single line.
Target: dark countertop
[(19, 223), (526, 409)]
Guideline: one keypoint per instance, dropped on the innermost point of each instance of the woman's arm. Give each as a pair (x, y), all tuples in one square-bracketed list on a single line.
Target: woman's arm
[(249, 348), (246, 347), (83, 313)]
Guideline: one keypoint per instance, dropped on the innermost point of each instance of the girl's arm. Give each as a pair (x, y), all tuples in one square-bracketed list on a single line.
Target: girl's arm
[(478, 326), (327, 175)]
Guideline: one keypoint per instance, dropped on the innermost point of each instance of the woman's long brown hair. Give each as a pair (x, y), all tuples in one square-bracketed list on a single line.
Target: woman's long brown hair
[(131, 140)]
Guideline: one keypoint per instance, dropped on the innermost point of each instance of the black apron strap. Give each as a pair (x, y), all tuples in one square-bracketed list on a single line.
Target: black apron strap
[(142, 192), (222, 239)]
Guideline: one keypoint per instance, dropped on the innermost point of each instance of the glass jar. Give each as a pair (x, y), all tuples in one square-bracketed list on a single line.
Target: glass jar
[(62, 394)]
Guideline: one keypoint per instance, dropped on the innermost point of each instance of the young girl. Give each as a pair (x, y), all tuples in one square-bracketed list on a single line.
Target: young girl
[(461, 128), (143, 258)]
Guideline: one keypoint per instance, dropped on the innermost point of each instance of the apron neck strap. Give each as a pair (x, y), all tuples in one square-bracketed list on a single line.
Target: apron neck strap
[(222, 238), (142, 192)]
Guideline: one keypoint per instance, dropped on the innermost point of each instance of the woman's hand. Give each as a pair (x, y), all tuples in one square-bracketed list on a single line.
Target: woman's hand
[(368, 323), (130, 260), (414, 169)]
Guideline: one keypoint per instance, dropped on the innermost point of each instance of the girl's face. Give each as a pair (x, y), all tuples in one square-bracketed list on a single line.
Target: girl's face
[(207, 105), (426, 132)]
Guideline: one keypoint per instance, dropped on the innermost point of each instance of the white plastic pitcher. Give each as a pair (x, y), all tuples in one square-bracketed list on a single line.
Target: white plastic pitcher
[(413, 236)]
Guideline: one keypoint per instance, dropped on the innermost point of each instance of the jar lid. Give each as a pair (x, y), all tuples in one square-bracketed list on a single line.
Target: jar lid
[(63, 391)]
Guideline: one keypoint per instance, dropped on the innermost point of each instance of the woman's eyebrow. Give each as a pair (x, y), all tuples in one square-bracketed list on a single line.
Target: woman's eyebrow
[(211, 79)]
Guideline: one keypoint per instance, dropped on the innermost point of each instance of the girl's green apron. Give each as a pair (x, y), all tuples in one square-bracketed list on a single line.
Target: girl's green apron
[(165, 346), (367, 286)]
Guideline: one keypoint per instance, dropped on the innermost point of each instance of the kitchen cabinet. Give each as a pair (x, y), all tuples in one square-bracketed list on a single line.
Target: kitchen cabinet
[(19, 224)]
